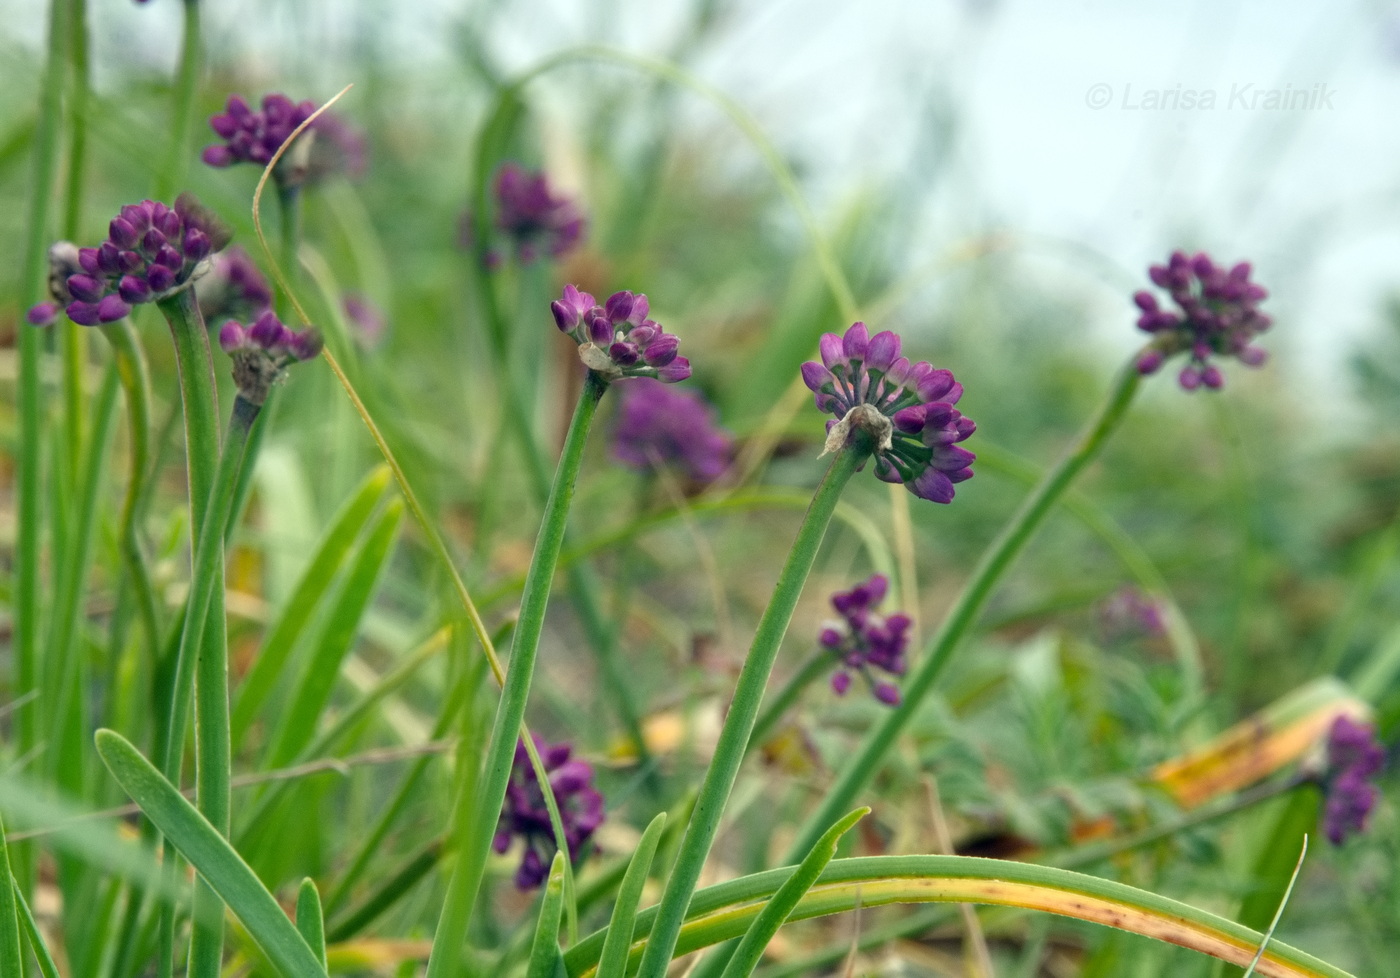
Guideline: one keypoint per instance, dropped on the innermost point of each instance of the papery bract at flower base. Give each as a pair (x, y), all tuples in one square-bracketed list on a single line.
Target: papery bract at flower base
[(1217, 315), (657, 423), (152, 251), (864, 639), (617, 339), (526, 817), (863, 377)]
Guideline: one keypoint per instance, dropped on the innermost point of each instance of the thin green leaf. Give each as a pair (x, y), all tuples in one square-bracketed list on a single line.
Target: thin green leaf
[(545, 959), (780, 907), (613, 963), (313, 688), (1278, 914), (37, 944), (10, 955), (212, 856), (311, 925), (305, 599)]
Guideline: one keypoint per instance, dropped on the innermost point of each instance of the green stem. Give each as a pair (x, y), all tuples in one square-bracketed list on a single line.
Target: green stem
[(213, 754), (182, 114), (136, 386), (743, 709), (29, 460), (510, 711), (863, 765)]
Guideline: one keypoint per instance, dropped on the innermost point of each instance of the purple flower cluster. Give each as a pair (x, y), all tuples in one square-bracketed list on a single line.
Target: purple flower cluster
[(1354, 758), (255, 137), (151, 251), (263, 350), (863, 380), (525, 814), (864, 638), (234, 288), (1217, 315), (1131, 612), (532, 216), (659, 424), (617, 339)]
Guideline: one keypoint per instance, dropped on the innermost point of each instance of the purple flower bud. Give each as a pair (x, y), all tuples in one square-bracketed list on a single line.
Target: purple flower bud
[(1150, 361), (112, 308), (266, 331), (840, 682), (619, 306), (887, 693), (134, 290), (882, 351), (161, 278), (564, 317), (86, 288), (83, 313), (674, 372), (854, 343), (662, 350), (197, 245), (600, 330), (42, 314), (232, 336), (121, 233)]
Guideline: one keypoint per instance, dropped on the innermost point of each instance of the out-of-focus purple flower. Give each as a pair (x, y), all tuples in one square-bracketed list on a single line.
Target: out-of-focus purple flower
[(63, 264), (1217, 315), (263, 350), (524, 814), (1130, 612), (330, 145), (657, 423), (863, 380), (617, 339), (152, 251), (863, 638), (366, 318), (532, 216), (234, 288), (1354, 758)]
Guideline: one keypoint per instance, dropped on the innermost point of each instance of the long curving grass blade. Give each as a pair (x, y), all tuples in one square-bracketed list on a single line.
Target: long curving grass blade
[(613, 963), (545, 959)]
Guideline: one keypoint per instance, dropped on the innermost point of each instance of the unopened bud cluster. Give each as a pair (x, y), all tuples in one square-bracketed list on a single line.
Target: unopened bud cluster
[(617, 339)]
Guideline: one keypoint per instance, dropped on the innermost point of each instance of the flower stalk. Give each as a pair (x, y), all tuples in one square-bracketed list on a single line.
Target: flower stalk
[(743, 709)]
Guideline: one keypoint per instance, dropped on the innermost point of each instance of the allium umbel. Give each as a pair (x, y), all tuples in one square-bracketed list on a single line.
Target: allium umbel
[(1354, 758), (659, 424), (1217, 315), (255, 137), (525, 814), (263, 350), (863, 380), (532, 216), (617, 339), (863, 638), (152, 251)]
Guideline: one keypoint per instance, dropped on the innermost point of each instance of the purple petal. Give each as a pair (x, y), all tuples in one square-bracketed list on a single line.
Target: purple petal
[(112, 308), (832, 350), (815, 376), (882, 351), (855, 341)]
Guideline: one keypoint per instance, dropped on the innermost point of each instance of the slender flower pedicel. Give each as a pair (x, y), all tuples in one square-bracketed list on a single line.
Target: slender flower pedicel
[(864, 379), (525, 815), (617, 339), (657, 423), (864, 639), (1218, 316)]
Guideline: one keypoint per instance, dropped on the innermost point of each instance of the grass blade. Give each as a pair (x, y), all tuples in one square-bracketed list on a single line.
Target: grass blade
[(10, 955), (780, 907), (310, 923), (212, 856), (545, 959), (613, 963), (37, 944)]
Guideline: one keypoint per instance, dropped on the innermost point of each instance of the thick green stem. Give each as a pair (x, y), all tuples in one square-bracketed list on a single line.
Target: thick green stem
[(136, 387), (865, 763), (182, 112), (510, 711), (29, 460), (743, 709)]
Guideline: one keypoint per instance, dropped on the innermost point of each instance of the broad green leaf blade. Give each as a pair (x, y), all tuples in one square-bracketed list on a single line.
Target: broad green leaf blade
[(778, 909), (305, 599), (311, 925), (545, 959), (10, 952), (211, 855), (613, 963), (314, 685)]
